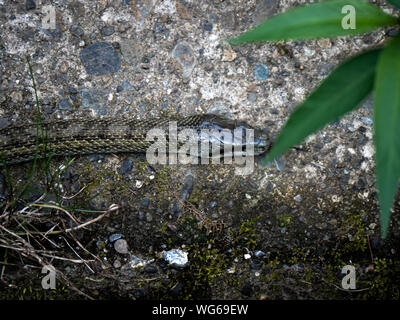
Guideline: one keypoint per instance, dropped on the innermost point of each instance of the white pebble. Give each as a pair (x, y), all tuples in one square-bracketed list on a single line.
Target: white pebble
[(121, 246)]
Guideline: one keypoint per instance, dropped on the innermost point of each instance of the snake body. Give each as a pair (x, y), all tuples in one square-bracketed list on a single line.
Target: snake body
[(19, 143)]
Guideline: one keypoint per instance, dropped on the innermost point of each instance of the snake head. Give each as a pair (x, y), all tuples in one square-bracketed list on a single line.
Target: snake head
[(258, 138), (262, 142)]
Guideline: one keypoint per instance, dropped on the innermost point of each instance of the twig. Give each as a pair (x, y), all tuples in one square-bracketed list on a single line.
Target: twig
[(28, 233), (73, 196), (370, 250), (52, 206), (4, 265), (346, 290), (112, 208), (78, 255), (84, 249)]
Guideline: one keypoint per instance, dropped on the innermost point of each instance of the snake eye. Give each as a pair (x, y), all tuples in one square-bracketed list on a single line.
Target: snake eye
[(260, 142)]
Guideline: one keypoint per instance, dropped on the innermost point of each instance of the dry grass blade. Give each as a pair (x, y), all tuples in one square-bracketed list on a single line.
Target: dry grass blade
[(53, 206)]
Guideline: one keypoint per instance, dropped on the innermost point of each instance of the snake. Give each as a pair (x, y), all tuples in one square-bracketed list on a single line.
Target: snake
[(83, 136)]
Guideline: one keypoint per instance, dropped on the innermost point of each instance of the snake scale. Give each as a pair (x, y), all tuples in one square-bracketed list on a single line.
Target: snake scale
[(69, 137)]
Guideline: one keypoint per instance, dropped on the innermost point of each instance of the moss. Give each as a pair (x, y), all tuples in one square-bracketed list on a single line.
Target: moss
[(31, 289), (247, 236), (208, 259), (207, 264), (354, 233), (284, 220), (163, 184), (384, 281)]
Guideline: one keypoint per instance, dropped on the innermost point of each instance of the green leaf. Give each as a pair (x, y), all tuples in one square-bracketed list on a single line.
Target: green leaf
[(387, 128), (396, 3), (317, 20), (339, 93)]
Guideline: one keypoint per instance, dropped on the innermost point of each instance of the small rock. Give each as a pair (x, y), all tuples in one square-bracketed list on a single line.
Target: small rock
[(184, 195), (121, 246), (100, 58), (137, 262), (149, 217), (372, 226), (259, 254), (64, 104), (128, 100), (324, 43), (16, 96), (107, 31), (309, 52), (392, 32), (30, 5), (139, 184), (261, 71), (120, 89), (126, 166), (182, 9), (115, 237), (246, 256), (77, 31), (49, 109), (208, 26), (145, 203), (220, 109), (126, 85), (159, 28), (232, 270), (4, 122), (367, 121), (77, 8), (73, 90), (176, 257), (274, 111), (297, 198), (117, 264), (131, 51), (94, 99), (150, 269), (184, 55), (141, 215), (228, 55)]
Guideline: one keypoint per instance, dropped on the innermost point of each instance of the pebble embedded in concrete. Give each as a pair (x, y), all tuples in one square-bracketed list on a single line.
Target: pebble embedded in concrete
[(184, 55)]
